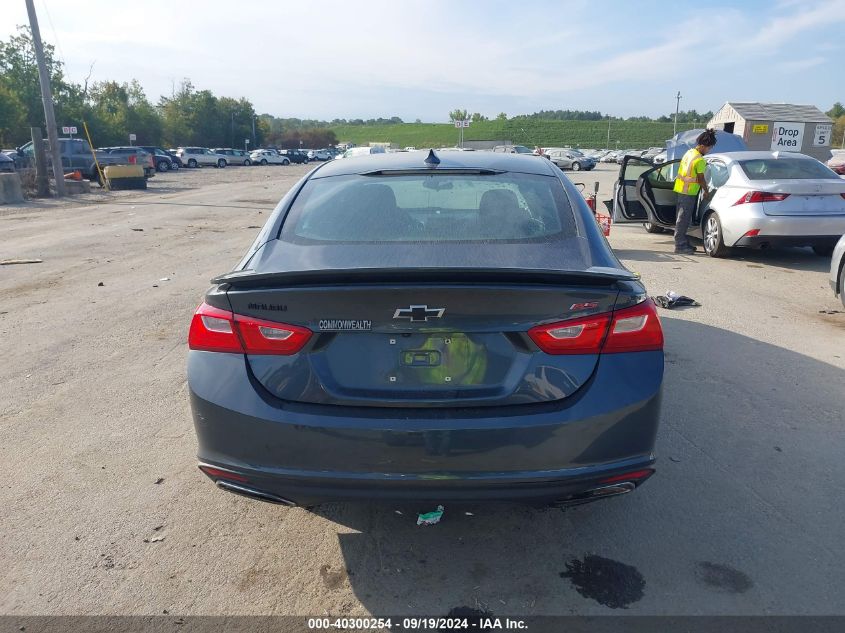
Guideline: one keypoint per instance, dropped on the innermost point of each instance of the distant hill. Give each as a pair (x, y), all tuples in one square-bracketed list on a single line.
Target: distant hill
[(530, 132)]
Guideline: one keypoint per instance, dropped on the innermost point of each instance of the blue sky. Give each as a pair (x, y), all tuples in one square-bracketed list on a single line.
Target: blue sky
[(344, 59)]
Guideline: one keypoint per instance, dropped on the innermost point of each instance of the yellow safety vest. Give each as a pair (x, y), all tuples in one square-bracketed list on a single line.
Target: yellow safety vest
[(687, 180)]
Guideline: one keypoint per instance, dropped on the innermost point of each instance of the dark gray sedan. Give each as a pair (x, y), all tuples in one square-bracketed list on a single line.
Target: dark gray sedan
[(414, 327), (571, 159)]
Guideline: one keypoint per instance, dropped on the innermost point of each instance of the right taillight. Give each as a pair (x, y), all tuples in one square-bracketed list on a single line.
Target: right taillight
[(634, 329), (216, 330), (761, 196)]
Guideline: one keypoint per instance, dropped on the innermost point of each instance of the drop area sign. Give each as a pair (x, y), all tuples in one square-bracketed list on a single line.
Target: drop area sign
[(787, 137)]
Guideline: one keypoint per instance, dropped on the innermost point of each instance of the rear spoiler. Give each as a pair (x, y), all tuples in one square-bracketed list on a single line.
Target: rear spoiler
[(592, 276)]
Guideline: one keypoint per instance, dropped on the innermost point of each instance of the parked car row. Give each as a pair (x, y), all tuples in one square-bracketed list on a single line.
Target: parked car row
[(616, 156), (225, 156), (77, 155)]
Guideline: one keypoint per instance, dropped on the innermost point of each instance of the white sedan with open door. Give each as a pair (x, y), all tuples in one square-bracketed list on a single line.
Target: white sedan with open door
[(757, 200)]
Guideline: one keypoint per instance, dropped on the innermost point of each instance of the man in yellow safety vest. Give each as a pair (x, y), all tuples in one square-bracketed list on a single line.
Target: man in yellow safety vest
[(689, 182)]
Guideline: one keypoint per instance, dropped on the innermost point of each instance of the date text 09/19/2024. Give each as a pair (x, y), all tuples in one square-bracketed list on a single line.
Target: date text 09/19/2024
[(417, 623)]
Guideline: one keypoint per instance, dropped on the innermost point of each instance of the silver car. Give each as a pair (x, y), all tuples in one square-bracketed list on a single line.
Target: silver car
[(757, 200), (234, 156), (199, 156), (570, 159), (837, 270)]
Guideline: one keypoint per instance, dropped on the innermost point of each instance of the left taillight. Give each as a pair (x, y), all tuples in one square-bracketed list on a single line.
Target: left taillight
[(269, 337), (216, 330), (213, 330), (761, 196)]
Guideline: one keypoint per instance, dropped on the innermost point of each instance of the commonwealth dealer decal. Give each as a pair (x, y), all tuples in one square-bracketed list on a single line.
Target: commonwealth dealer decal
[(342, 325)]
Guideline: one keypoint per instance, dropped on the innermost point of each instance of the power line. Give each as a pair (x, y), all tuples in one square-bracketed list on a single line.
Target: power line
[(55, 35)]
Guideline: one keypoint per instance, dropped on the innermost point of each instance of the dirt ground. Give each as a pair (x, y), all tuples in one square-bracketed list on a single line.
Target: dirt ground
[(104, 511)]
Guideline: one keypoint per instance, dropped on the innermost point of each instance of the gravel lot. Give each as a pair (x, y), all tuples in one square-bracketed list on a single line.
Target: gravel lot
[(104, 511)]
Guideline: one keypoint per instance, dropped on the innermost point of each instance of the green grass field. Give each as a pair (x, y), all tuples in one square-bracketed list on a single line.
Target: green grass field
[(587, 134)]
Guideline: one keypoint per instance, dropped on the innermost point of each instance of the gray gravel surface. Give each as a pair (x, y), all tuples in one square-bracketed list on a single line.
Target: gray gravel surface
[(104, 511)]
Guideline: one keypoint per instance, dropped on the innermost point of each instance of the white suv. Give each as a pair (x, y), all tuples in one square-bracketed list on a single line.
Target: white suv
[(268, 157), (199, 156)]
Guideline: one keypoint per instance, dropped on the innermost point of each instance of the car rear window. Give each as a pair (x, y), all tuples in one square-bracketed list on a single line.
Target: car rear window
[(429, 207), (785, 169)]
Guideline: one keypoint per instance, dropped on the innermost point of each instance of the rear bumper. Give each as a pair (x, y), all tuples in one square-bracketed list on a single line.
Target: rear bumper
[(529, 453), (778, 241), (568, 487), (780, 230)]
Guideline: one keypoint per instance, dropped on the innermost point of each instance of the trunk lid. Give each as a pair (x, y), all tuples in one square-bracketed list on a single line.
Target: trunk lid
[(423, 343), (807, 197)]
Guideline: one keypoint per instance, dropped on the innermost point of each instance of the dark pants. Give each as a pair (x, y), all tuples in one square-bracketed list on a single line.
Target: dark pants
[(686, 209)]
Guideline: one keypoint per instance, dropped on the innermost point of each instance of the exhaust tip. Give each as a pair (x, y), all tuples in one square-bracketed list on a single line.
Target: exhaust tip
[(601, 492), (252, 493)]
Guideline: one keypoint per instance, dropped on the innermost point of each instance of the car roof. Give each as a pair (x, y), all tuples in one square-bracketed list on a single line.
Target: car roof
[(448, 160), (749, 155)]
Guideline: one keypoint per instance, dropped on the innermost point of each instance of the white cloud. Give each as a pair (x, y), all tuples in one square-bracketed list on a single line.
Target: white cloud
[(340, 58), (803, 64)]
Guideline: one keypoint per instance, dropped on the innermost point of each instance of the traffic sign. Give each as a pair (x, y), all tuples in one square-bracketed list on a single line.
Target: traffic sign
[(132, 137), (70, 129), (822, 135)]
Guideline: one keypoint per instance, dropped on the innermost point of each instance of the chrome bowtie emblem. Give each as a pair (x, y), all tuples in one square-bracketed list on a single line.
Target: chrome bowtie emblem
[(418, 314)]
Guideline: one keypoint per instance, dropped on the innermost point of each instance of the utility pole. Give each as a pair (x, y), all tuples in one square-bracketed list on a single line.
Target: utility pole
[(607, 146), (677, 107), (47, 98), (42, 179), (233, 129), (253, 130)]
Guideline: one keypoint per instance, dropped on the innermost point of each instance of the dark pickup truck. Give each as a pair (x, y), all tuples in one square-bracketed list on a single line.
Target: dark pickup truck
[(75, 154)]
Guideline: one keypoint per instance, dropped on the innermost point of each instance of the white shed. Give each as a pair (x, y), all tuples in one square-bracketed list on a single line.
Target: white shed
[(777, 126)]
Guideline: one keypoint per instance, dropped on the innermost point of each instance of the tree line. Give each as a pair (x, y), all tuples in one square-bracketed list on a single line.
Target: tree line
[(190, 116), (113, 110)]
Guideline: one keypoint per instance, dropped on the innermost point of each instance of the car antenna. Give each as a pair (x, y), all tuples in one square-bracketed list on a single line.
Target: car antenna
[(432, 159)]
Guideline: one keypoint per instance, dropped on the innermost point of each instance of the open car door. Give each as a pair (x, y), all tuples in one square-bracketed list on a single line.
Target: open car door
[(654, 190), (627, 208)]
